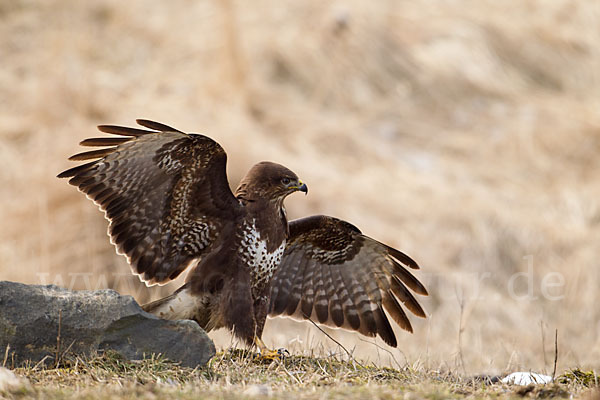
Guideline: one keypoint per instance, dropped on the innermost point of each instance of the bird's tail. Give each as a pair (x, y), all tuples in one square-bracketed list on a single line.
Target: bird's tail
[(154, 306), (182, 304)]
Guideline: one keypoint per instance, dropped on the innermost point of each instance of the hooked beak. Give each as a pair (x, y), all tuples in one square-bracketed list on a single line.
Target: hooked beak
[(302, 187)]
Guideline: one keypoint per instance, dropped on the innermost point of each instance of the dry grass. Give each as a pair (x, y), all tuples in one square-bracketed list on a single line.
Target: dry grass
[(465, 133), (238, 374)]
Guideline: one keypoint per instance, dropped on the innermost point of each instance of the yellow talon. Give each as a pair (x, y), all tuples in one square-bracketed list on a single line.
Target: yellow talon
[(266, 353)]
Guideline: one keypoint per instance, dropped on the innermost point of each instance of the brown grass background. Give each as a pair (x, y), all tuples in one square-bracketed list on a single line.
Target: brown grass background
[(465, 133)]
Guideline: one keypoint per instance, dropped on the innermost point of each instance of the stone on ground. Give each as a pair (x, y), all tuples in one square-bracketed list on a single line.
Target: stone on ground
[(90, 321)]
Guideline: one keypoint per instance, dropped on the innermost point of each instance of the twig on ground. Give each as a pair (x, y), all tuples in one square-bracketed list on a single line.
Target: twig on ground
[(295, 378), (335, 341), (543, 343), (6, 355), (57, 356), (461, 302), (67, 349), (42, 361), (384, 349), (555, 353)]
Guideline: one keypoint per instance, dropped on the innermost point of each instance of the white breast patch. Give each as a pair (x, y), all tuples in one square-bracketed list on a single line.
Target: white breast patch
[(253, 251)]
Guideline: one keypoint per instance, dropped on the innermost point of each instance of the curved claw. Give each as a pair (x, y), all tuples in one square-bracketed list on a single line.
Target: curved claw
[(283, 352), (268, 354)]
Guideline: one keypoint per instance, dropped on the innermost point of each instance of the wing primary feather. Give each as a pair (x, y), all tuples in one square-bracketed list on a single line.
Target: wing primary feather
[(88, 155), (384, 329), (409, 280), (406, 298), (403, 258), (123, 130), (157, 126), (396, 312), (104, 141), (76, 170)]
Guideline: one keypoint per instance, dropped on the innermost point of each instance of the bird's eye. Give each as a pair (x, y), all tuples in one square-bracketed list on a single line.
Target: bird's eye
[(285, 181)]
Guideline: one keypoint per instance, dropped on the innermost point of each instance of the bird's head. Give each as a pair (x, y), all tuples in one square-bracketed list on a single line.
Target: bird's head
[(269, 181)]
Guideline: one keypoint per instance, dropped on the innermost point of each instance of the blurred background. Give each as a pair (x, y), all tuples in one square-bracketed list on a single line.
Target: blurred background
[(465, 133)]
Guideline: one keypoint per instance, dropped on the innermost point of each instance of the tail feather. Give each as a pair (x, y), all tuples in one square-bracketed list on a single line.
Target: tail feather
[(154, 306), (182, 304)]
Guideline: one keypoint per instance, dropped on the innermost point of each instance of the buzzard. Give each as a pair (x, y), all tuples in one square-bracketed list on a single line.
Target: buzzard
[(170, 207)]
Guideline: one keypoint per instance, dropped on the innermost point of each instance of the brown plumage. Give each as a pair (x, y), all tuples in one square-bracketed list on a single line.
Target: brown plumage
[(170, 207)]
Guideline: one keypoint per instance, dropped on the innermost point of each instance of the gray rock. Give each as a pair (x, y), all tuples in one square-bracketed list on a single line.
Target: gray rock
[(91, 321)]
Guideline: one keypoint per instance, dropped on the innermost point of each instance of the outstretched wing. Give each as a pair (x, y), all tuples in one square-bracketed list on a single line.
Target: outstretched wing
[(164, 192), (334, 275)]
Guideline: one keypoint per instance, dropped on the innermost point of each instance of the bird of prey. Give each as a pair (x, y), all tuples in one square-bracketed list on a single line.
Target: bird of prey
[(170, 207)]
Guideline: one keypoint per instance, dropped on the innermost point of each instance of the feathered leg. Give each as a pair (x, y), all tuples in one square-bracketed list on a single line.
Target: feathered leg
[(237, 308), (261, 310)]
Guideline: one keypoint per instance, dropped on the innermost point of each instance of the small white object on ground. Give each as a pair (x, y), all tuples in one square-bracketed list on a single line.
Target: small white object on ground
[(526, 378), (9, 381)]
